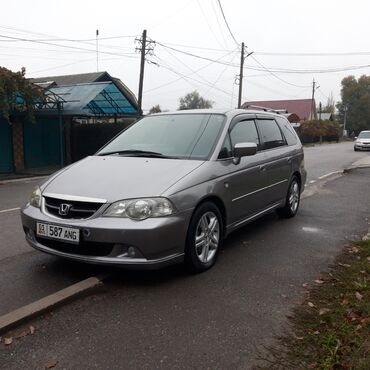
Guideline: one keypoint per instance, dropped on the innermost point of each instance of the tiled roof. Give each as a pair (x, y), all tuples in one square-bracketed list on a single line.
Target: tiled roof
[(301, 107)]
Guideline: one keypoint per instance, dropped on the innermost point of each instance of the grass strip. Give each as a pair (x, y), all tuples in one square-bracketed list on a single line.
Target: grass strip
[(331, 328)]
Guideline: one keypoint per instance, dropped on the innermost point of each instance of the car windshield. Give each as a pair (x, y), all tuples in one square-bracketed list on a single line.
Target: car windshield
[(185, 136), (364, 135)]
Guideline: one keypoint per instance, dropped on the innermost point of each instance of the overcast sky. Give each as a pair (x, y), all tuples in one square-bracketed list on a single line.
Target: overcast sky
[(279, 33)]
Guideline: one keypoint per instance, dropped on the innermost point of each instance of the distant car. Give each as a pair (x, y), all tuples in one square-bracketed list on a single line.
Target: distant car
[(168, 189), (362, 142)]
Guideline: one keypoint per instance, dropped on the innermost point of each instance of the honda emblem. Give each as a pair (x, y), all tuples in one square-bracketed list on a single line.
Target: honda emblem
[(64, 209)]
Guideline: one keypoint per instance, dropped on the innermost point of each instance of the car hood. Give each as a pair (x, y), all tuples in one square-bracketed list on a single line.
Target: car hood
[(116, 177), (363, 140)]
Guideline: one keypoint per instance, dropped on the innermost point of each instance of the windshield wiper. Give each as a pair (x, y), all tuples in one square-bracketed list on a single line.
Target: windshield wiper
[(136, 153)]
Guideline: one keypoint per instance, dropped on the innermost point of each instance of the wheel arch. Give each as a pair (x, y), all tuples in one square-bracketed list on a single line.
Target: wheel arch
[(297, 174)]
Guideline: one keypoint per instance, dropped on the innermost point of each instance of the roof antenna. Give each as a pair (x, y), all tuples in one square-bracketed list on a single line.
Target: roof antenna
[(97, 51)]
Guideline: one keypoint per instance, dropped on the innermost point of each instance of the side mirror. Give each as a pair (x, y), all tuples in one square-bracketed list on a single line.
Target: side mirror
[(243, 150), (355, 137)]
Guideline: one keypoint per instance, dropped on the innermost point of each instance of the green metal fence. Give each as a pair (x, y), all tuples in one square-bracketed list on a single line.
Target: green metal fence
[(6, 147), (41, 141)]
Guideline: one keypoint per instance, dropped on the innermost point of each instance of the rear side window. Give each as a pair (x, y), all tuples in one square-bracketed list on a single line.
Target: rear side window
[(288, 131), (270, 133)]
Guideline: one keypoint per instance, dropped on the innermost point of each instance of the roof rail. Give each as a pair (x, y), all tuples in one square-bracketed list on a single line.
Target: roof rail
[(265, 109)]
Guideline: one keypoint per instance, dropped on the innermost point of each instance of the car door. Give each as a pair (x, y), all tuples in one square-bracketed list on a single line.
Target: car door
[(246, 179), (278, 166)]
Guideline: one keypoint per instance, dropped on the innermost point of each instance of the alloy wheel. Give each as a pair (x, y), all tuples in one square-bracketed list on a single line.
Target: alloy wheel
[(294, 197), (207, 237)]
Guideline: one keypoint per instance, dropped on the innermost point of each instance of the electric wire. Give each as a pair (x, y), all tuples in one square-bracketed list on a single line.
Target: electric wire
[(227, 24)]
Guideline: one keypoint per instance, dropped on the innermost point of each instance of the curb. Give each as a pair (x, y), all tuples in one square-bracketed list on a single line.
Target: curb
[(25, 178), (14, 317), (312, 188)]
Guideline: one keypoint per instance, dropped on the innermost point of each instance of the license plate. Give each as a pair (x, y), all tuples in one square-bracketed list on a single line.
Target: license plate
[(68, 234)]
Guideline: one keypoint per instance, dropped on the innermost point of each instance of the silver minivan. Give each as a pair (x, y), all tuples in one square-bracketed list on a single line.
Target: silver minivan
[(169, 189)]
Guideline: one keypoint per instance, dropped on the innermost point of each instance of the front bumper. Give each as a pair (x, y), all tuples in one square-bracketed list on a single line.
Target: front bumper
[(362, 146), (104, 240)]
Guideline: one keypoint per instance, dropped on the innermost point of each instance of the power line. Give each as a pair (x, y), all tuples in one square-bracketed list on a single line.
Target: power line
[(186, 77), (195, 56), (313, 54), (194, 72), (208, 24), (214, 9), (272, 69), (227, 24), (274, 75), (58, 45), (197, 70)]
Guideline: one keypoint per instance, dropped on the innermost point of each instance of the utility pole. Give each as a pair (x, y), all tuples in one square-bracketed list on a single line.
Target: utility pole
[(314, 88), (241, 77), (97, 51), (320, 109), (141, 79), (146, 47)]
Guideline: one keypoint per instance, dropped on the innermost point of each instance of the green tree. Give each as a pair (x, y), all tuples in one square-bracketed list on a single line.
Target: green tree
[(193, 100), (356, 101), (155, 109), (17, 94)]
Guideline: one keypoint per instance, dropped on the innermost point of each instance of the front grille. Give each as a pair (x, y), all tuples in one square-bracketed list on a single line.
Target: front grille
[(76, 209), (92, 249)]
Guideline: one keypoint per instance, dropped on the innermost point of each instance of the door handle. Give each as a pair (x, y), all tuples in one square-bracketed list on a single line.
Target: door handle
[(262, 168), (289, 159)]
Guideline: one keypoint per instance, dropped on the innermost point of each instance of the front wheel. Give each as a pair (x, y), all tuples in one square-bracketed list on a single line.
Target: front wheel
[(292, 201), (203, 238)]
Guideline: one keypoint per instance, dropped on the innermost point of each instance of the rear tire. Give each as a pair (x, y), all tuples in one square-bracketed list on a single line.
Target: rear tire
[(292, 201), (203, 238)]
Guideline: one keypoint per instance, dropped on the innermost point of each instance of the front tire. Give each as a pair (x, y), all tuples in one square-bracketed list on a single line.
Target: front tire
[(292, 201), (204, 238)]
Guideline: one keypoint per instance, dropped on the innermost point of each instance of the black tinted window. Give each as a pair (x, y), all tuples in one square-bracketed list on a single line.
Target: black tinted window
[(245, 132), (271, 134), (226, 150), (288, 131)]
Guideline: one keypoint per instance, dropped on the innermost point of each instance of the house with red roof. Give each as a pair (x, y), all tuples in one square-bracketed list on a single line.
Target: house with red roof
[(303, 109)]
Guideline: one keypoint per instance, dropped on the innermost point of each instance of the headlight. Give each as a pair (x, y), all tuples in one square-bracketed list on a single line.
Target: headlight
[(140, 209), (35, 199)]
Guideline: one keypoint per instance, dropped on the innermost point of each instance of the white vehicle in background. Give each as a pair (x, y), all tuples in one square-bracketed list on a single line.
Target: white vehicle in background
[(362, 141)]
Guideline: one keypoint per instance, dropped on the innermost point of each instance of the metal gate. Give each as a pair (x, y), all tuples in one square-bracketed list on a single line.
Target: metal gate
[(6, 147), (41, 141)]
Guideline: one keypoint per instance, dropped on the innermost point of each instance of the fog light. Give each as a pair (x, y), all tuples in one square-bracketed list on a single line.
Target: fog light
[(131, 252)]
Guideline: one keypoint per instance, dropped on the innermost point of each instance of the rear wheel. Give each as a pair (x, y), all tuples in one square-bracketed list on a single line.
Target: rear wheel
[(203, 238), (292, 201)]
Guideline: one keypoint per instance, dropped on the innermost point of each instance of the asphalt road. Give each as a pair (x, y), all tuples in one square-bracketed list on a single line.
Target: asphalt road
[(326, 158), (169, 319)]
